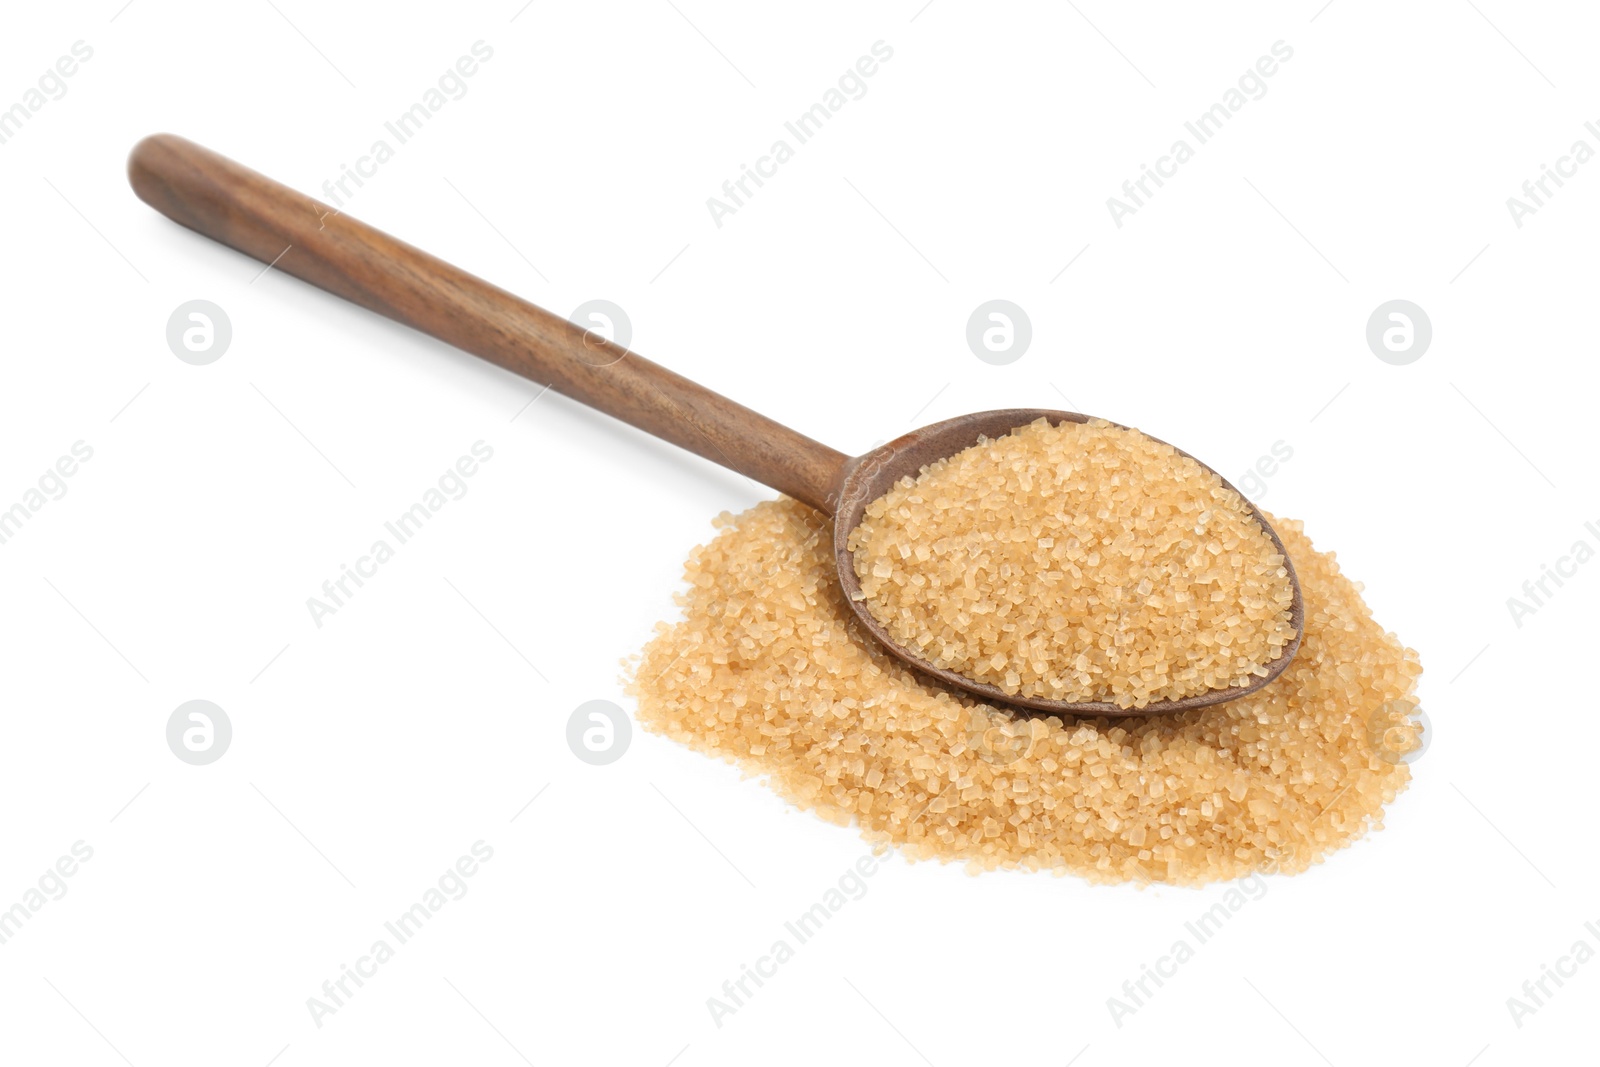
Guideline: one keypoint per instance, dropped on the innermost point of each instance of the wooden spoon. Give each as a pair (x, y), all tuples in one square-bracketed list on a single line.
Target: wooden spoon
[(301, 236)]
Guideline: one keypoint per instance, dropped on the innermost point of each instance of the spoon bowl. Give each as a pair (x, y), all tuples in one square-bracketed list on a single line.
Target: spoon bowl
[(300, 236), (868, 477)]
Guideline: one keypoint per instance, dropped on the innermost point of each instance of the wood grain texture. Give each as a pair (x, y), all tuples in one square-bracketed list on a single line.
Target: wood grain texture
[(249, 212)]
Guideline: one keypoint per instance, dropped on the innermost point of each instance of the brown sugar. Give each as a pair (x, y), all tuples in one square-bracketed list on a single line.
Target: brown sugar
[(769, 670), (1079, 562)]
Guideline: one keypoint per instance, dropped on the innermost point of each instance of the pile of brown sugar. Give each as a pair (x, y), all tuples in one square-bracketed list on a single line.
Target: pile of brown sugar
[(1080, 562), (768, 669)]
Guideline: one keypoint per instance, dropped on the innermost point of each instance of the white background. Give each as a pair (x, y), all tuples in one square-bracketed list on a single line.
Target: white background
[(1227, 315)]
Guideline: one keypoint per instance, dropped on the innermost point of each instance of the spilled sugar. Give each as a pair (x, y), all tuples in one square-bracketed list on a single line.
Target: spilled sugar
[(768, 669), (1080, 562)]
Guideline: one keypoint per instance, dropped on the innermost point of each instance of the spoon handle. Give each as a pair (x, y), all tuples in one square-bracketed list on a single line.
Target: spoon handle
[(301, 236)]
